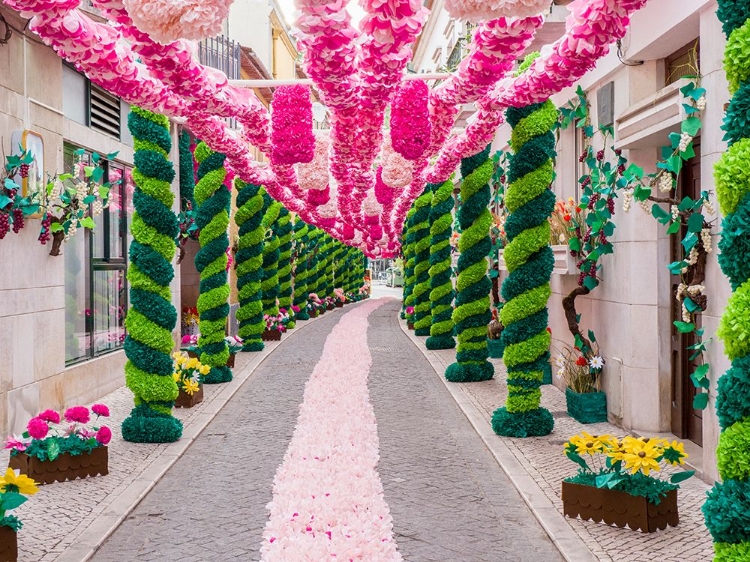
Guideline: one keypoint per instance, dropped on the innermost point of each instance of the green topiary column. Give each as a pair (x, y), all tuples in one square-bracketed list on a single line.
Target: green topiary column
[(530, 260), (325, 283), (726, 510), (440, 273), (316, 238), (472, 312), (339, 263), (285, 263), (421, 290), (212, 219), (187, 175), (249, 264), (151, 317), (302, 268), (410, 278)]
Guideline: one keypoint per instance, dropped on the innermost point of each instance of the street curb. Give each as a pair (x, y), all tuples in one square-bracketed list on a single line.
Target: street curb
[(118, 510), (570, 545)]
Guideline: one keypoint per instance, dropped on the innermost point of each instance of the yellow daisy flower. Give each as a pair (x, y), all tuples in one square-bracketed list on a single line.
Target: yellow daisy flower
[(641, 455), (176, 377), (190, 386), (192, 363), (204, 369), (22, 483)]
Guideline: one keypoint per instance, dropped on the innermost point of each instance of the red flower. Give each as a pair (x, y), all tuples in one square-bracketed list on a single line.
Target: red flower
[(37, 428), (78, 414), (581, 361), (566, 217), (100, 410), (104, 435), (549, 329), (49, 416)]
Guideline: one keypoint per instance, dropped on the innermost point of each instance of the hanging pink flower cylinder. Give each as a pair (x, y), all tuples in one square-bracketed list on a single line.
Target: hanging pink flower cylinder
[(292, 139), (317, 197), (410, 120), (167, 21), (347, 232), (482, 10)]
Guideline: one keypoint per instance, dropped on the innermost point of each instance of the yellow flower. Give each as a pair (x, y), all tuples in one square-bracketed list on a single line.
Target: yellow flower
[(176, 377), (192, 363), (176, 356), (204, 369), (190, 386), (641, 455), (589, 444), (23, 483)]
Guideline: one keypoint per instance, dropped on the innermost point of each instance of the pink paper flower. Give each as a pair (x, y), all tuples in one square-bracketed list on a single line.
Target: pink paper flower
[(410, 120), (482, 10), (167, 21), (37, 428), (100, 410), (17, 443), (50, 416), (292, 138), (79, 414), (104, 435)]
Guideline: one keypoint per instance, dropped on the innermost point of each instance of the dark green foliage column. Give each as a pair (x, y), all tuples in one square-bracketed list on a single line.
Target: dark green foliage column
[(530, 260), (472, 313), (152, 317), (285, 262), (212, 219), (302, 267), (187, 176), (441, 285), (421, 290), (728, 506), (249, 264), (339, 263), (270, 284), (408, 250), (325, 281)]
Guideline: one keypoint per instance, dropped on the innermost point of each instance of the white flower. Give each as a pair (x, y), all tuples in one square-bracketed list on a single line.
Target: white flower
[(627, 200), (97, 208), (560, 373), (675, 212), (596, 362), (559, 362)]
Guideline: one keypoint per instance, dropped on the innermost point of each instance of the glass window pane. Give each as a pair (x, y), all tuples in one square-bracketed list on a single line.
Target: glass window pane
[(128, 188), (77, 315), (115, 212), (109, 309), (75, 97)]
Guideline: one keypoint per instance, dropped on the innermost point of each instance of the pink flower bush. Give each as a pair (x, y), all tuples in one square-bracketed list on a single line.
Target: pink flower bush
[(37, 428), (410, 120), (77, 414), (292, 138), (328, 499), (104, 435), (49, 416), (100, 410)]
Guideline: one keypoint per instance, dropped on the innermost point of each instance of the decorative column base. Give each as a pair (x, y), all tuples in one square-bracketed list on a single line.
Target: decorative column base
[(470, 372), (219, 375), (146, 425), (534, 423)]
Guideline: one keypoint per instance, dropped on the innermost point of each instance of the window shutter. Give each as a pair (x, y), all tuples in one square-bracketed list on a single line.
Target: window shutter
[(105, 112)]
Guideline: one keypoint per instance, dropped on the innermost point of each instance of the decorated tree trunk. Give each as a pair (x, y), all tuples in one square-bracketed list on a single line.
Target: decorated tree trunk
[(270, 284), (529, 259), (285, 262), (302, 267), (421, 291), (151, 317), (726, 510), (249, 264), (440, 273), (472, 312), (408, 248), (212, 219)]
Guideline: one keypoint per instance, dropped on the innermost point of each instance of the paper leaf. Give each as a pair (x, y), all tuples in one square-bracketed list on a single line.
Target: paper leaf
[(88, 222), (12, 500), (681, 476), (53, 449), (684, 327), (700, 402), (674, 228), (695, 222)]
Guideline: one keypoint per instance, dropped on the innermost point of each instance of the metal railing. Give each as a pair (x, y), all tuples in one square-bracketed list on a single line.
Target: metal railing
[(223, 54)]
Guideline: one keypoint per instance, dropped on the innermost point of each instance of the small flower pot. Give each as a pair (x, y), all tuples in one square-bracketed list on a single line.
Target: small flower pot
[(587, 407), (193, 354), (329, 306), (8, 544), (495, 348), (230, 361), (185, 400), (314, 314), (410, 325), (271, 335), (339, 305), (65, 467), (618, 508)]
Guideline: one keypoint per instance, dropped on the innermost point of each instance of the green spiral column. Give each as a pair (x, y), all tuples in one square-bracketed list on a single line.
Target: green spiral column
[(151, 317), (249, 264), (408, 249), (187, 175), (339, 263), (530, 261), (421, 290), (212, 219), (325, 281), (472, 312), (302, 268), (285, 263), (726, 510), (440, 272), (313, 279)]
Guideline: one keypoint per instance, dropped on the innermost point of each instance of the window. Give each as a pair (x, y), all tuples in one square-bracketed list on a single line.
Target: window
[(580, 148), (94, 107), (95, 269), (683, 62), (437, 56)]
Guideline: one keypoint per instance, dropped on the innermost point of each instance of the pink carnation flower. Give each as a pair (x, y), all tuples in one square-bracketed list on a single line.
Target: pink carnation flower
[(100, 410), (104, 435), (17, 443), (37, 428), (78, 414), (49, 416)]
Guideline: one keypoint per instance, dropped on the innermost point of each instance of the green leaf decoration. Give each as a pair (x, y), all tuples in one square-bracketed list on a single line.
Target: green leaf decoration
[(690, 305), (695, 222), (674, 228), (12, 500), (685, 204), (634, 171), (95, 157), (676, 267), (681, 476), (4, 200), (592, 338), (702, 371), (689, 241), (574, 244), (684, 327), (88, 222), (56, 227), (53, 449), (691, 126), (660, 214), (89, 199), (590, 283), (576, 458)]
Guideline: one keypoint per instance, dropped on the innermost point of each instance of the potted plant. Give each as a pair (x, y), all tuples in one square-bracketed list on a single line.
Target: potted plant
[(616, 481), (318, 307), (275, 326), (13, 491), (235, 344), (189, 375), (190, 345), (330, 303), (495, 345), (58, 449), (581, 367), (410, 317), (339, 298)]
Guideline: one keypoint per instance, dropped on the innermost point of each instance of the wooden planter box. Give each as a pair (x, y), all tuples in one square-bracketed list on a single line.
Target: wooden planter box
[(271, 335), (230, 361), (314, 314), (618, 508), (65, 467), (193, 354), (8, 545), (339, 305), (410, 325), (495, 348), (588, 407), (329, 306), (185, 400)]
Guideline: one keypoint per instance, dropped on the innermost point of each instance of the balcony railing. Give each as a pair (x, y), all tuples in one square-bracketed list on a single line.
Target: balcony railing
[(223, 54)]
